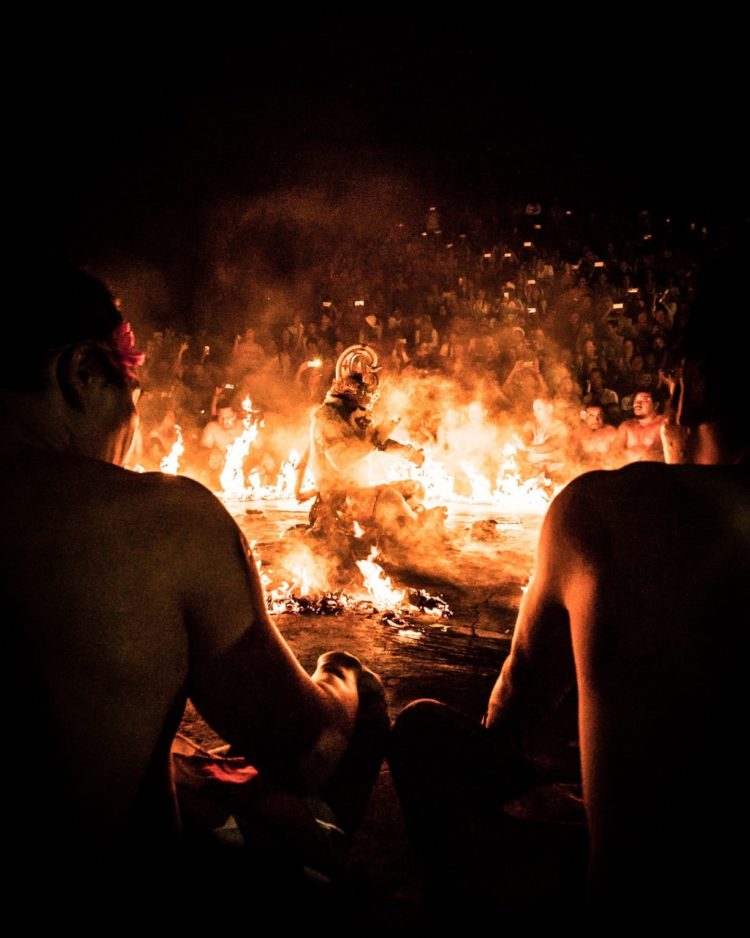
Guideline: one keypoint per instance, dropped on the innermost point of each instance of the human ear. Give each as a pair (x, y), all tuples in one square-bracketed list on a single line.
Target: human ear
[(76, 370)]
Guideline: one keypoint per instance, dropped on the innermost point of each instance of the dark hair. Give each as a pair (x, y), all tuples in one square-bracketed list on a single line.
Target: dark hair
[(61, 306)]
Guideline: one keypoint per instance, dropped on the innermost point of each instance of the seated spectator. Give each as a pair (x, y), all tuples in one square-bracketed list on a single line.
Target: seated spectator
[(423, 360), (595, 437), (524, 384), (248, 355), (399, 357), (141, 591), (627, 636), (632, 379), (371, 331), (597, 392), (221, 431), (161, 439), (545, 439), (639, 438), (588, 359)]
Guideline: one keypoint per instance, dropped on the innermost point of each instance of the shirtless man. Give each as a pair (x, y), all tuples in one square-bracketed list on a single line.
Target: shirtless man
[(595, 438), (219, 433), (545, 439), (640, 437), (124, 593), (634, 603)]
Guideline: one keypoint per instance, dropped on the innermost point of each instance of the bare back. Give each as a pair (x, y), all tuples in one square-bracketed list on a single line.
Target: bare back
[(646, 571), (96, 625), (658, 600), (123, 594)]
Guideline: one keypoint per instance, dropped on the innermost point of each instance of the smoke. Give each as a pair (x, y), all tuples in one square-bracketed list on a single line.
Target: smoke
[(272, 255), (141, 290), (264, 263), (451, 421)]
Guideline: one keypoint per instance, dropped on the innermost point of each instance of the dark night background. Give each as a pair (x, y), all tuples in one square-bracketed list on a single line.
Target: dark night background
[(146, 143)]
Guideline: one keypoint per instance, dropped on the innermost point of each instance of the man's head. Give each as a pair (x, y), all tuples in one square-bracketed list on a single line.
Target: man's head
[(594, 417), (706, 420), (65, 307), (589, 348), (423, 352), (75, 363), (226, 416), (643, 405), (596, 379)]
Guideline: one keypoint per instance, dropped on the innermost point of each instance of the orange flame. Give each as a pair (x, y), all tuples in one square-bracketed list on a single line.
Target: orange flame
[(170, 465), (232, 477), (384, 596)]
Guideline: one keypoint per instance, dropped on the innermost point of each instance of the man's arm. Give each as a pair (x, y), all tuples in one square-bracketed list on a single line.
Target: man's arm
[(620, 443), (242, 676), (539, 672), (207, 440)]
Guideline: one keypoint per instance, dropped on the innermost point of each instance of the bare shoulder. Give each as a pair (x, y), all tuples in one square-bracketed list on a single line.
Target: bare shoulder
[(591, 488), (188, 493), (598, 501), (643, 499), (580, 496), (180, 507)]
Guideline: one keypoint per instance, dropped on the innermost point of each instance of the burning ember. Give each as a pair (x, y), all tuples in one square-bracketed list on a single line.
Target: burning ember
[(307, 592), (430, 605), (283, 600)]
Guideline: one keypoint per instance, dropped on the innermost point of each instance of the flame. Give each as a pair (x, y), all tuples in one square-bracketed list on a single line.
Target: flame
[(481, 487), (287, 477), (278, 598), (510, 492), (358, 530), (514, 495), (232, 475), (171, 462), (384, 596)]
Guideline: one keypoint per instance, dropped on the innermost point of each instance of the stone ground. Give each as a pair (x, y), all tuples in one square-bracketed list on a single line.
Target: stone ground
[(454, 659)]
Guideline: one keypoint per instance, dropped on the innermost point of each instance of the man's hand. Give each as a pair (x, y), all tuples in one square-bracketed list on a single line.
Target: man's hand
[(338, 663), (416, 456), (340, 666), (337, 675)]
